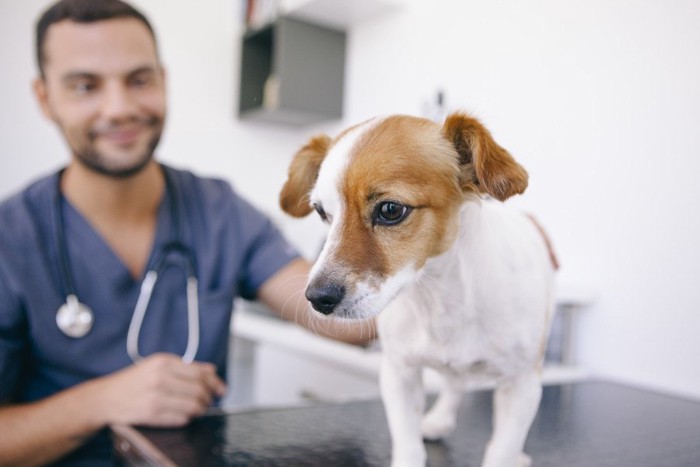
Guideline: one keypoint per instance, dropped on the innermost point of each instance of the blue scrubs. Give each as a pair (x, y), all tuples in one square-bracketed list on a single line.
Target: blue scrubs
[(236, 250)]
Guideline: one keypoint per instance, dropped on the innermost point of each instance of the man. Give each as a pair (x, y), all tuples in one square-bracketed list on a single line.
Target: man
[(92, 231)]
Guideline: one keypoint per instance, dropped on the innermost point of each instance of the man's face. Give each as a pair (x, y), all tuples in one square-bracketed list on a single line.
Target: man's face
[(104, 87)]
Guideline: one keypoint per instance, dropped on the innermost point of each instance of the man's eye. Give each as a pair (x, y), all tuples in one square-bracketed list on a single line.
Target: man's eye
[(321, 212), (141, 81), (390, 213), (83, 87)]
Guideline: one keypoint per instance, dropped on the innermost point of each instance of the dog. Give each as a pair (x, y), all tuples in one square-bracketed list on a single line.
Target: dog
[(419, 237)]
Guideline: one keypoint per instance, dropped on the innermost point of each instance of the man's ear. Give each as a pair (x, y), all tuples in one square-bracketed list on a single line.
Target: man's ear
[(485, 166), (39, 88), (303, 171)]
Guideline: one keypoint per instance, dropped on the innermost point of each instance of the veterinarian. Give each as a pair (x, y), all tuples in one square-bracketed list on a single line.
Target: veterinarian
[(117, 273)]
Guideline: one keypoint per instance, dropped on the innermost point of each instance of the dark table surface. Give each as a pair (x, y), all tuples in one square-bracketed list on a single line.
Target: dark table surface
[(592, 424)]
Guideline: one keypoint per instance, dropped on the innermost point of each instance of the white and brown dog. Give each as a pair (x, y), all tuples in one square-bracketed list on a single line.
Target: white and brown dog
[(464, 285)]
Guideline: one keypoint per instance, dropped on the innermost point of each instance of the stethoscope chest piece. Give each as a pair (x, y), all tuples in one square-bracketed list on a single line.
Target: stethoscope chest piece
[(73, 318)]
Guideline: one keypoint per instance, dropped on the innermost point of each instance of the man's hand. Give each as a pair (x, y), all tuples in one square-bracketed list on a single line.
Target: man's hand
[(160, 390)]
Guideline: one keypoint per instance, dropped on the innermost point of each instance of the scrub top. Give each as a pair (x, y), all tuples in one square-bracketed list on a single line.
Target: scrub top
[(235, 249)]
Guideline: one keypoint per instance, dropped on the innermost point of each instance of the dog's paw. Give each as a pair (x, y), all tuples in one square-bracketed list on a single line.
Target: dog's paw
[(409, 456), (524, 460), (405, 462), (435, 426)]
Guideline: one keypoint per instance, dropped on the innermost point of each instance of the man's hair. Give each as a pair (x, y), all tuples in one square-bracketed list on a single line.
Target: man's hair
[(82, 11)]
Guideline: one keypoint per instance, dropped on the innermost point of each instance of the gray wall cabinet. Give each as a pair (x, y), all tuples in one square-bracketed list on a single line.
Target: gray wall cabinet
[(292, 72)]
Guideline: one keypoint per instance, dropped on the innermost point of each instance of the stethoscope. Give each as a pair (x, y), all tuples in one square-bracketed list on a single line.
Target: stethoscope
[(76, 319)]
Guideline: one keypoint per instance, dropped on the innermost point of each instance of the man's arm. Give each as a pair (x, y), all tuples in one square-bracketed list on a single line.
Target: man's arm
[(161, 390), (283, 293)]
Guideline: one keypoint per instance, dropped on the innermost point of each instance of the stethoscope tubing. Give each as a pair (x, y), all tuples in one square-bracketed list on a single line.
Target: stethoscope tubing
[(72, 314), (147, 286)]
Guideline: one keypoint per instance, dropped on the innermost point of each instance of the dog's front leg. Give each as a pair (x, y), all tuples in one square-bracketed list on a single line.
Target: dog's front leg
[(515, 406), (441, 419), (404, 401)]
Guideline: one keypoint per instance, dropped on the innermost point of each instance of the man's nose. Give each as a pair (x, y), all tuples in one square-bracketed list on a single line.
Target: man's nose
[(117, 102)]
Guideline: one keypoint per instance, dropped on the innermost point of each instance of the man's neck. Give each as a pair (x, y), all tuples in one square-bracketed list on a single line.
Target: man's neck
[(101, 198), (123, 211)]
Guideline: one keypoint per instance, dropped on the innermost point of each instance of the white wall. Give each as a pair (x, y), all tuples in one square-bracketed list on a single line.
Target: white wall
[(599, 99), (199, 48)]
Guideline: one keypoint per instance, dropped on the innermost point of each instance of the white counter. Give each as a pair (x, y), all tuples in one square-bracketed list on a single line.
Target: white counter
[(276, 362)]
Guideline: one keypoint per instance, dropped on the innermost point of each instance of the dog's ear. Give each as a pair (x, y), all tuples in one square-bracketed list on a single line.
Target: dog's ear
[(484, 165), (303, 171)]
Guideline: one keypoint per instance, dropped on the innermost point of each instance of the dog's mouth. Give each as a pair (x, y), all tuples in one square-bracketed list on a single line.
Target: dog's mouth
[(355, 301), (336, 300)]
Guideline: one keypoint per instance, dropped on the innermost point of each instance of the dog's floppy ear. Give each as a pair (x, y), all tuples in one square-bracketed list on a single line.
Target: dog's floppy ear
[(294, 197), (484, 165)]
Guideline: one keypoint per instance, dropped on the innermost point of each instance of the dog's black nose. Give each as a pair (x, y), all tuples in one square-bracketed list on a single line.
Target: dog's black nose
[(324, 298)]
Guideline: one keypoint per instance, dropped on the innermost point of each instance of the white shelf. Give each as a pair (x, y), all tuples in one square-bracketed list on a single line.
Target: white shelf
[(266, 330), (337, 13), (269, 330)]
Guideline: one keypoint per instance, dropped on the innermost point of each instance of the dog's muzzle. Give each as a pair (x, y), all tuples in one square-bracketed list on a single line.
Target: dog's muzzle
[(325, 297)]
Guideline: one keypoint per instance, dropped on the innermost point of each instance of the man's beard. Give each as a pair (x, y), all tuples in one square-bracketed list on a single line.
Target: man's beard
[(91, 158)]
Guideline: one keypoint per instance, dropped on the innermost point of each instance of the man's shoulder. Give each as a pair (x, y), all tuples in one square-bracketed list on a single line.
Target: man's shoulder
[(211, 193), (189, 182), (32, 199), (215, 202), (25, 222)]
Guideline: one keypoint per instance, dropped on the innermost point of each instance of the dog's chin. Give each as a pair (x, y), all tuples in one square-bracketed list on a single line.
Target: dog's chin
[(356, 310)]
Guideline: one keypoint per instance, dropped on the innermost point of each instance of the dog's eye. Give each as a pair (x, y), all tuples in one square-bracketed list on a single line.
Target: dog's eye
[(390, 213), (321, 212)]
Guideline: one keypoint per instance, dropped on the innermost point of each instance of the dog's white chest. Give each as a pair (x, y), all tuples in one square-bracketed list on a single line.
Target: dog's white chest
[(480, 317), (454, 343)]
